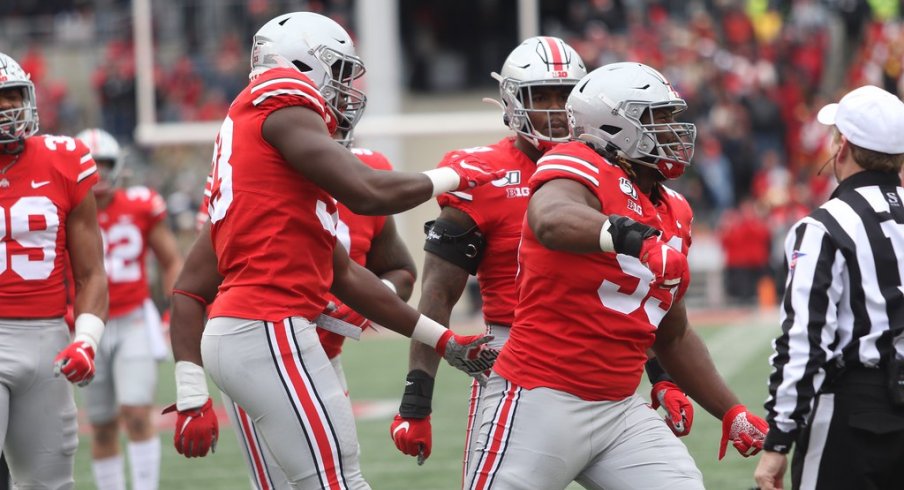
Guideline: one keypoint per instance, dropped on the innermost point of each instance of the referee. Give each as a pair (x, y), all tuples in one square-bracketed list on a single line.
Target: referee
[(834, 387)]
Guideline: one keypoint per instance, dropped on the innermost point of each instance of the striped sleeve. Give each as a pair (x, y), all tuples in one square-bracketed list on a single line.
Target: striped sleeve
[(288, 88), (809, 314), (561, 166), (85, 173)]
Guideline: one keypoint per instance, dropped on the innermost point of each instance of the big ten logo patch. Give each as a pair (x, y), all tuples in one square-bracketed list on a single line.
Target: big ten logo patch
[(517, 192), (512, 177)]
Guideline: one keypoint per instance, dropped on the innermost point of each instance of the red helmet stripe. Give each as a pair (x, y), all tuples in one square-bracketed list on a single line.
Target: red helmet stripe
[(555, 51)]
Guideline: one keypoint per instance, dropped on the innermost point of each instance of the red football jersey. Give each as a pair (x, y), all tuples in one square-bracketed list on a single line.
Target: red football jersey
[(355, 233), (498, 210), (273, 229), (51, 177), (584, 321), (126, 224)]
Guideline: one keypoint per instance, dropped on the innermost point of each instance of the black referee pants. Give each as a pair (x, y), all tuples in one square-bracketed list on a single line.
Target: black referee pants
[(855, 438)]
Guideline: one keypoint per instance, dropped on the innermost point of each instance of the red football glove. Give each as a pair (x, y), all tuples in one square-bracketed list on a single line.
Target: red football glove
[(679, 408), (668, 265), (473, 173), (468, 353), (345, 313), (745, 430), (412, 436), (75, 362), (197, 430)]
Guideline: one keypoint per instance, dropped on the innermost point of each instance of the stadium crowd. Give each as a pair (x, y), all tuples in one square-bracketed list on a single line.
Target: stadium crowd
[(753, 73)]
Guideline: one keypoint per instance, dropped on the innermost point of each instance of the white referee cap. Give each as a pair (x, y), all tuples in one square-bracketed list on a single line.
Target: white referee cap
[(868, 117)]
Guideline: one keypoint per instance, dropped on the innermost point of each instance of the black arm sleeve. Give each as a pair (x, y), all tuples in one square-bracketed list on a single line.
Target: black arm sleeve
[(455, 244)]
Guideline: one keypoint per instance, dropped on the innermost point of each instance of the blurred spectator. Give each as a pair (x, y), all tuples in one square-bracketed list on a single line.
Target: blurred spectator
[(747, 246)]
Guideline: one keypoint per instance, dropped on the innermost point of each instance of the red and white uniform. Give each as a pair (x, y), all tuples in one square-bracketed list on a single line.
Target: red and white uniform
[(38, 415), (596, 309), (273, 229), (577, 348), (126, 224), (274, 232), (51, 177), (498, 210), (356, 233)]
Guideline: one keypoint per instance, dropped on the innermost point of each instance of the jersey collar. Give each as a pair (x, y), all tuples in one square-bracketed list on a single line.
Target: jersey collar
[(867, 178)]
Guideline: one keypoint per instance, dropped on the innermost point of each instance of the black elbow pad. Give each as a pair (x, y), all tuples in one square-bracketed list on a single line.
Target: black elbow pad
[(455, 244)]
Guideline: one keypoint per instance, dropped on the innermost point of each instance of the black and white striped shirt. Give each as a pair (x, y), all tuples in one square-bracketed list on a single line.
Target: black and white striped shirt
[(844, 301)]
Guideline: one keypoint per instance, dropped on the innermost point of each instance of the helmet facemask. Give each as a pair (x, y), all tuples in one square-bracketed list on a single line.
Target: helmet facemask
[(17, 123), (668, 147), (518, 105), (346, 101)]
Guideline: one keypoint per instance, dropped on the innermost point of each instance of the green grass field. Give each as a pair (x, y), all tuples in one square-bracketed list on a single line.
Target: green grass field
[(376, 369)]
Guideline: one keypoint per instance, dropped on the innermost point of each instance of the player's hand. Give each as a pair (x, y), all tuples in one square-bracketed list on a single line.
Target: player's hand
[(343, 312), (745, 430), (76, 362), (197, 430), (468, 353), (668, 265), (472, 172), (412, 436), (680, 411)]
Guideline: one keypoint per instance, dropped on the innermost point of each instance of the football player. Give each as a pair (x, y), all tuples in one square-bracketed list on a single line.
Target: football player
[(373, 242), (276, 176), (47, 211), (132, 221), (478, 232), (602, 273)]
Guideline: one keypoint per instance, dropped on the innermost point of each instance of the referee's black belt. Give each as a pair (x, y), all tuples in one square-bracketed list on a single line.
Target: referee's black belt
[(875, 376)]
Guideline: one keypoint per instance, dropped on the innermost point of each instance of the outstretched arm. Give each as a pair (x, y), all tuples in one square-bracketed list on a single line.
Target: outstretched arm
[(299, 135)]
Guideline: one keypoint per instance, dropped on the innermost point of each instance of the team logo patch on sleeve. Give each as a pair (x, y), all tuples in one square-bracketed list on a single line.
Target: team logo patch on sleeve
[(627, 187)]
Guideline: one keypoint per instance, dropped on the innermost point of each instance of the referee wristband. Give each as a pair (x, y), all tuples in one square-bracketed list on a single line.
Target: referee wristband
[(89, 328), (444, 180)]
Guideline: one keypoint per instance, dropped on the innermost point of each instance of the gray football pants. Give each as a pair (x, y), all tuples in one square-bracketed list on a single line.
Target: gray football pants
[(37, 410), (544, 439), (279, 374)]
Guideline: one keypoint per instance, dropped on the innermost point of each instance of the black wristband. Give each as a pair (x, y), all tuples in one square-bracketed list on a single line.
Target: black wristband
[(418, 397), (628, 235), (655, 373), (778, 441)]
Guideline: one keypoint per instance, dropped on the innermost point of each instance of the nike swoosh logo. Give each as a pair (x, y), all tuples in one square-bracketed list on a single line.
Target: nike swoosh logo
[(35, 185), (402, 426), (340, 41)]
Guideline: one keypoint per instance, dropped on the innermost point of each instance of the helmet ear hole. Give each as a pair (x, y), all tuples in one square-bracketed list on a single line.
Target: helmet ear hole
[(302, 67)]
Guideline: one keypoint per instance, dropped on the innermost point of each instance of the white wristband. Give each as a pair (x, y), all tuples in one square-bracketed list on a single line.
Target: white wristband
[(390, 285), (444, 180), (606, 244), (427, 331), (89, 328), (191, 386)]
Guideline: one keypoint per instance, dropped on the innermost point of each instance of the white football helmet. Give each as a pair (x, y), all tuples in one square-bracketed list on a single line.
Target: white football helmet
[(611, 109), (321, 49), (541, 61), (18, 123), (104, 148)]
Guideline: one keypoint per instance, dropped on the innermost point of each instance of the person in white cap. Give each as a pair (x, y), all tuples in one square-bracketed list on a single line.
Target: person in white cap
[(837, 385)]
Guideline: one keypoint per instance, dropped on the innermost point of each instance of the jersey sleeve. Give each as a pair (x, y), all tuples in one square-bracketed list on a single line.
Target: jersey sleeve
[(75, 164), (203, 214), (566, 162), (284, 87), (155, 206)]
